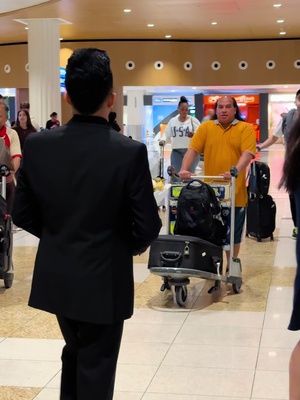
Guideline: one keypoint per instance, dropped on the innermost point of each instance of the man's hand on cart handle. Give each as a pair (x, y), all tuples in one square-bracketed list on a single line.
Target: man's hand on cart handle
[(229, 174), (184, 174), (226, 175)]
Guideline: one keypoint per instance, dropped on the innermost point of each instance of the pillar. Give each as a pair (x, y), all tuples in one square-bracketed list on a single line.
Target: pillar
[(44, 64), (136, 126)]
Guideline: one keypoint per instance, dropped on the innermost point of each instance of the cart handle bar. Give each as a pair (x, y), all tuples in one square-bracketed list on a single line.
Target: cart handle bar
[(219, 177)]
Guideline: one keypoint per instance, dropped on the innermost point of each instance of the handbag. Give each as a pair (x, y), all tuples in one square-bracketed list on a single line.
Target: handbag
[(5, 157)]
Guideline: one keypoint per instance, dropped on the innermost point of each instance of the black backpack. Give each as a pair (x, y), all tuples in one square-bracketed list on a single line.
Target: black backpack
[(259, 179), (199, 213)]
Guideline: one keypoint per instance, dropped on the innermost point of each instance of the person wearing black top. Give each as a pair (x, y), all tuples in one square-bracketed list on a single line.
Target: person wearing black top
[(23, 126), (53, 122), (83, 271)]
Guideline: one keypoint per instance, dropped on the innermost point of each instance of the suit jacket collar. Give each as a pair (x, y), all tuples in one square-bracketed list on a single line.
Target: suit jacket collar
[(89, 119)]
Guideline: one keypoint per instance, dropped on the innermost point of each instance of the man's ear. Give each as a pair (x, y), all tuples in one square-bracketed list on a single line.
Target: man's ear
[(67, 98), (111, 100)]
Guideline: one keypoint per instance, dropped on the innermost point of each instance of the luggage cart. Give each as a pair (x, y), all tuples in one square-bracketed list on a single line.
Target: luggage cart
[(169, 264), (6, 235)]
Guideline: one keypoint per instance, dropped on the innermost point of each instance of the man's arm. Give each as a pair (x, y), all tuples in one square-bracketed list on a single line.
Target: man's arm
[(242, 163), (146, 221), (267, 143)]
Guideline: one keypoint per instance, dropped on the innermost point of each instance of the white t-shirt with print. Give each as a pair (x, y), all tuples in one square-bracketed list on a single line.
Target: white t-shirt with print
[(176, 132)]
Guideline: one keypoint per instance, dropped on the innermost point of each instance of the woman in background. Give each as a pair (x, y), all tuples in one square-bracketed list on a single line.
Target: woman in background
[(179, 132), (23, 126), (291, 181)]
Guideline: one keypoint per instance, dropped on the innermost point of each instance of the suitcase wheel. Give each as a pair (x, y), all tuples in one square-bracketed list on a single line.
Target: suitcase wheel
[(236, 287), (181, 295)]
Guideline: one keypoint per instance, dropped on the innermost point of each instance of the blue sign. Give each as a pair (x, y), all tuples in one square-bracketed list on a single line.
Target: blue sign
[(62, 75)]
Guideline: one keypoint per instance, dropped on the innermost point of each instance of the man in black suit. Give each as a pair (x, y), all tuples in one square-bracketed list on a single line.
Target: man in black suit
[(86, 192)]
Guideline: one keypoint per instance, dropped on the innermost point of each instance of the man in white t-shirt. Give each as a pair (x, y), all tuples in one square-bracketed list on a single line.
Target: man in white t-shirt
[(284, 128)]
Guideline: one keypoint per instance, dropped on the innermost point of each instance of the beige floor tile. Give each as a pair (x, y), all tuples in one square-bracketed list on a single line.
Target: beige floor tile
[(42, 326), (279, 338), (27, 373), (270, 385), (219, 336), (270, 359), (208, 356), (165, 396), (142, 353), (202, 381), (18, 393), (134, 378)]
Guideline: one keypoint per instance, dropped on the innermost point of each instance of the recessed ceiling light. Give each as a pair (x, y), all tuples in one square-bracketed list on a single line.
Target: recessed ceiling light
[(214, 23), (150, 25), (61, 38), (280, 21), (26, 27), (127, 10), (168, 36), (277, 5), (282, 33), (285, 86)]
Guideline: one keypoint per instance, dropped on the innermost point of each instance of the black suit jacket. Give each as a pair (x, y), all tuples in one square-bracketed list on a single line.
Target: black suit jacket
[(86, 192)]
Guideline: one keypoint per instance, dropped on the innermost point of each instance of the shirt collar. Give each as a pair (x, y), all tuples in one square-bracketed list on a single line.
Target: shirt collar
[(234, 122), (92, 119)]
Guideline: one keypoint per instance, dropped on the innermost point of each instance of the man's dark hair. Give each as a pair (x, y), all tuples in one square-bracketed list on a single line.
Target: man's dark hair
[(25, 105), (238, 114), (89, 79), (298, 92)]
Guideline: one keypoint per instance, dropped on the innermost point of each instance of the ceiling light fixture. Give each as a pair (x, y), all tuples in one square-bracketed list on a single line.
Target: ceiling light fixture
[(150, 25), (127, 10), (277, 5), (280, 21), (282, 33), (168, 36), (214, 23), (26, 27)]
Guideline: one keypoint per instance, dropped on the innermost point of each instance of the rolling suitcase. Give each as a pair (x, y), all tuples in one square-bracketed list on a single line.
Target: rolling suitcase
[(261, 217), (185, 252), (261, 210)]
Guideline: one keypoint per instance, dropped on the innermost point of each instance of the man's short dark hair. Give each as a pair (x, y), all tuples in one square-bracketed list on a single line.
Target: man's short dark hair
[(298, 93), (89, 79), (25, 105)]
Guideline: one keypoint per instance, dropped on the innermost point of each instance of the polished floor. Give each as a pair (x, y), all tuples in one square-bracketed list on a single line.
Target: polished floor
[(217, 347)]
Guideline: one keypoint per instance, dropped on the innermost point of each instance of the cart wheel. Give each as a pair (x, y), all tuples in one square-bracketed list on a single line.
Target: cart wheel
[(181, 295), (236, 287), (8, 279)]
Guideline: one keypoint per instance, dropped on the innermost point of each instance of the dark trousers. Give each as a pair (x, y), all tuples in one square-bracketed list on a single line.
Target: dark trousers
[(89, 359), (293, 209)]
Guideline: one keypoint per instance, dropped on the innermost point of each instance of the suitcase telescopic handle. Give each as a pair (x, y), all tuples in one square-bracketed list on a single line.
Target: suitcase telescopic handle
[(171, 258)]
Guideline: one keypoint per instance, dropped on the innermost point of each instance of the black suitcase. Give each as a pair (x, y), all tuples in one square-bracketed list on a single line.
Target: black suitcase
[(185, 252), (261, 217), (259, 178)]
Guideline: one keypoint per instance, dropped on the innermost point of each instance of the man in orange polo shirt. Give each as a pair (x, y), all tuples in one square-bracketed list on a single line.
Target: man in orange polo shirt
[(226, 141)]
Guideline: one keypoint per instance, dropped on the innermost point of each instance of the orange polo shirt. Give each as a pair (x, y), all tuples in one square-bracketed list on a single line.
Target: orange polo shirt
[(223, 148)]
